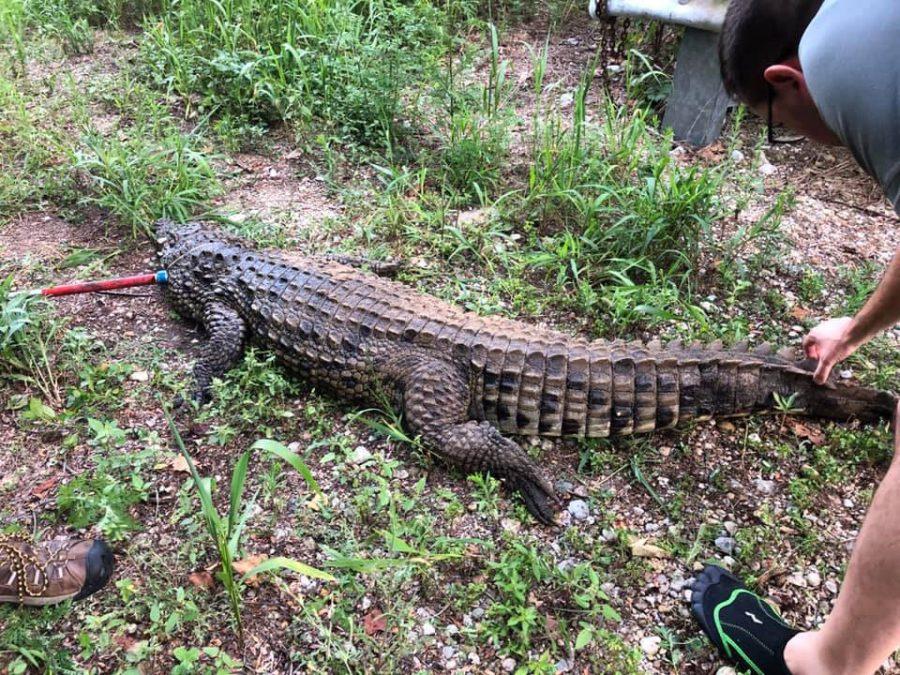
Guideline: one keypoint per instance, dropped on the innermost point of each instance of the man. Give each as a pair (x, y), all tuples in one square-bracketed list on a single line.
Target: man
[(831, 71), (54, 571)]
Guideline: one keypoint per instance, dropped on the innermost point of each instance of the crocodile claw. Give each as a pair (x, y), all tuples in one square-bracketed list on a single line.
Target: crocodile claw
[(540, 502)]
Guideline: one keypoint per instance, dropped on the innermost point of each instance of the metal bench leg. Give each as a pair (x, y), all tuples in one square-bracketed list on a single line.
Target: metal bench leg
[(698, 103)]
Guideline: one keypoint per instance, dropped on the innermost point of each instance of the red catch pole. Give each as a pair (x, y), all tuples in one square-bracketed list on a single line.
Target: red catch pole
[(108, 285)]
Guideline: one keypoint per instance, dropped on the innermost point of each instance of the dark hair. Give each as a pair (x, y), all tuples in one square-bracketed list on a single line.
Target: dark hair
[(758, 34)]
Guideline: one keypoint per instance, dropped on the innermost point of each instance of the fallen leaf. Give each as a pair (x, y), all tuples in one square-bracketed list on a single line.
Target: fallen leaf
[(801, 430), (202, 580), (125, 642), (800, 313), (712, 153), (244, 565), (374, 622), (641, 549), (178, 463), (45, 487)]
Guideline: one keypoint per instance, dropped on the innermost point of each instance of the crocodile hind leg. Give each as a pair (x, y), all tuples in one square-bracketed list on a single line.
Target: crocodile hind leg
[(226, 331), (435, 405)]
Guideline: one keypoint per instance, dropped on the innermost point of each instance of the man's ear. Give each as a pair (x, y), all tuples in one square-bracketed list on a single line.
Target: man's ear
[(786, 76)]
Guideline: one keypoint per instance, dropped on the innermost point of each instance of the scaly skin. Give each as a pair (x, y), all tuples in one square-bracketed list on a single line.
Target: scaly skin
[(460, 379)]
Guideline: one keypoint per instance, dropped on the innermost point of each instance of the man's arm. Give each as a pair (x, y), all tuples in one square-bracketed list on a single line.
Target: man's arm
[(833, 341)]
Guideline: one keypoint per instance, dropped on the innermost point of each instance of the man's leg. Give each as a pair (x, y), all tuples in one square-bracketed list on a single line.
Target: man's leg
[(861, 632), (864, 628)]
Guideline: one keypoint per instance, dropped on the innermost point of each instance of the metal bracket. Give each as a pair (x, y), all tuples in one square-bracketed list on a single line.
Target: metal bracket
[(698, 103)]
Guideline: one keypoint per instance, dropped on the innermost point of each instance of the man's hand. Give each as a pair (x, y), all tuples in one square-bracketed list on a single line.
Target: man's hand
[(829, 343)]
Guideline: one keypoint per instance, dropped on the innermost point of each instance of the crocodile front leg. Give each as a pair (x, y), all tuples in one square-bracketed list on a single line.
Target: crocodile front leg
[(435, 405), (226, 331)]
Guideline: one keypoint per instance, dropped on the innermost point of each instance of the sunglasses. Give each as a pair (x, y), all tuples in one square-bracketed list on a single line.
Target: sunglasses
[(770, 127)]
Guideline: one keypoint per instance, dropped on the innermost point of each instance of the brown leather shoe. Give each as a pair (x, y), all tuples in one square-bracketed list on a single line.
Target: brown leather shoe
[(54, 571)]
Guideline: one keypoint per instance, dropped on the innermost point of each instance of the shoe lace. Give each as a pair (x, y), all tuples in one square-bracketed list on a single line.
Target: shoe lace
[(12, 551)]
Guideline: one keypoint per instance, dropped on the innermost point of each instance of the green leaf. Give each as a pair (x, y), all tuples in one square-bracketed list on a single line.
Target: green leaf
[(238, 478), (584, 638), (292, 458), (279, 562)]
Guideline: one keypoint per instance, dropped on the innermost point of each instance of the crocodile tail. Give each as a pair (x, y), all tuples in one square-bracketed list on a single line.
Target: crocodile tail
[(833, 400), (718, 382), (844, 402)]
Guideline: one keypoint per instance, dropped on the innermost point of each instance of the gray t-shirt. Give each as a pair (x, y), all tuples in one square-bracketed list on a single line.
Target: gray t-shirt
[(850, 55)]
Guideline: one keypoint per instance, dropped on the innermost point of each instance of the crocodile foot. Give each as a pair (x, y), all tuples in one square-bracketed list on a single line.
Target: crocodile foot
[(539, 498)]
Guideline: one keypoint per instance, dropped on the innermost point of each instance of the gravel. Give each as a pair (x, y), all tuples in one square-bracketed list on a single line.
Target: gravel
[(726, 545), (360, 455), (766, 487), (579, 509), (650, 645)]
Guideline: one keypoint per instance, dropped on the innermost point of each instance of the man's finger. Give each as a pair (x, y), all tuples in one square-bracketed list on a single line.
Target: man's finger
[(823, 370)]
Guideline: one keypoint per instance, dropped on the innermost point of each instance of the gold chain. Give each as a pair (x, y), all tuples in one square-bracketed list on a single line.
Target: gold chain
[(19, 561)]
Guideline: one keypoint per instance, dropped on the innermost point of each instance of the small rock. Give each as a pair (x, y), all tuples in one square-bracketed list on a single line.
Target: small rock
[(477, 613), (508, 664), (737, 156), (726, 670), (566, 99), (579, 509), (566, 565), (563, 666), (813, 579), (728, 562), (573, 41), (650, 645), (428, 629), (767, 487), (846, 374), (651, 527), (140, 376), (614, 68), (448, 652), (608, 534), (797, 579), (360, 455), (474, 659), (730, 527), (726, 545), (831, 586), (848, 503), (767, 169), (564, 487)]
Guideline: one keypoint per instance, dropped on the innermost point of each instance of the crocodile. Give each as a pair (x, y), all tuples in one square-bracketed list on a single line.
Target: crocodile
[(465, 382)]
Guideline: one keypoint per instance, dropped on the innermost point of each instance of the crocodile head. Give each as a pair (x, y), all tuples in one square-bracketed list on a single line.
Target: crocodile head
[(197, 258)]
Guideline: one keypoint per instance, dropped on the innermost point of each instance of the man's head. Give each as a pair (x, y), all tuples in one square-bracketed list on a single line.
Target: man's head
[(758, 51)]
